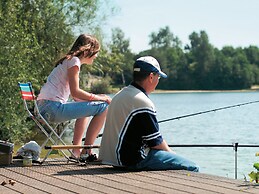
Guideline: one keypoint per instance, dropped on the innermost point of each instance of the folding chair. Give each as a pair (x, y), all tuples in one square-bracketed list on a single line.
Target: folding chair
[(50, 130)]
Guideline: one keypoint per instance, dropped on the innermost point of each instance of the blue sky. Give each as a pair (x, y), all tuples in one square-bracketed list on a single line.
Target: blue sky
[(227, 22)]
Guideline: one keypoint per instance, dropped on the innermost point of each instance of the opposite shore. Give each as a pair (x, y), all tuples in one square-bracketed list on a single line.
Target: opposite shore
[(253, 89)]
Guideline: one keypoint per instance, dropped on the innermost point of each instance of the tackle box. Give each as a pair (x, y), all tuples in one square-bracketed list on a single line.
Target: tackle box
[(6, 151), (5, 159)]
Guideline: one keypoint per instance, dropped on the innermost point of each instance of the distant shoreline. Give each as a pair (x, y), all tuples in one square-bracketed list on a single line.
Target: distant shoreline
[(205, 91), (253, 89)]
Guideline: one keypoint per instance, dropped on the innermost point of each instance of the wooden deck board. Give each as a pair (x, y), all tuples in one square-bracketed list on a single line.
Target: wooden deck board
[(58, 176), (153, 183), (103, 176), (91, 177), (20, 186), (127, 181), (189, 184)]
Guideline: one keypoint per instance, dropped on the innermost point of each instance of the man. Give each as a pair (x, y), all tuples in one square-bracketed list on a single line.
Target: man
[(131, 136)]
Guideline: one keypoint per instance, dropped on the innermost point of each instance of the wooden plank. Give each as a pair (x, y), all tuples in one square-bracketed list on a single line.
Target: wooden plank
[(27, 179), (190, 184), (222, 181), (93, 179), (61, 171), (6, 188), (108, 176), (165, 183), (58, 176), (136, 180), (19, 186)]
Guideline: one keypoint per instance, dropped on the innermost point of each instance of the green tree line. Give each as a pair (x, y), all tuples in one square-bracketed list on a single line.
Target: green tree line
[(199, 65), (36, 33)]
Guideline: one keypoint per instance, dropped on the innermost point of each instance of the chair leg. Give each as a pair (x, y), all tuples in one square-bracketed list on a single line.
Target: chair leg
[(59, 139), (54, 143)]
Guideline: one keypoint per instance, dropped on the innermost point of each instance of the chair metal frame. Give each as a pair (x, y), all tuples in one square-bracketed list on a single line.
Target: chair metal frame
[(27, 93)]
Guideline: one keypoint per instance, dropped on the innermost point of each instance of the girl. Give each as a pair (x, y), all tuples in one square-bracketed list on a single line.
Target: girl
[(63, 82)]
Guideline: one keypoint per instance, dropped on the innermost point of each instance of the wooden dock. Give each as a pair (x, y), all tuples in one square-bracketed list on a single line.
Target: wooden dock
[(58, 176)]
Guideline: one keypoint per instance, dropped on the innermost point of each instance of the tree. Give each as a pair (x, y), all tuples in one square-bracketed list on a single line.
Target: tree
[(120, 47), (201, 55), (221, 71), (118, 59), (163, 38), (166, 48), (32, 35), (252, 54)]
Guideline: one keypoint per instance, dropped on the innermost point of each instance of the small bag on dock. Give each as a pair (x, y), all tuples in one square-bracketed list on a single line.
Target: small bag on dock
[(30, 149)]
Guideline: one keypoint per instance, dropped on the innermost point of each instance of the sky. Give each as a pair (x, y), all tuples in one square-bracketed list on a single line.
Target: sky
[(226, 22)]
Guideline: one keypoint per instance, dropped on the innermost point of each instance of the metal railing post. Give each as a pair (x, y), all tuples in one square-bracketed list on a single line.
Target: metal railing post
[(235, 148)]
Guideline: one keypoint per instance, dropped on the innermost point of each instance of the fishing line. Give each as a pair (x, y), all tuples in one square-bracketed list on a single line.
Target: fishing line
[(202, 112), (207, 111)]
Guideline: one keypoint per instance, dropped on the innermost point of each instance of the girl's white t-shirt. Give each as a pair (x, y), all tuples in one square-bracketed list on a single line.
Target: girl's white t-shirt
[(57, 86)]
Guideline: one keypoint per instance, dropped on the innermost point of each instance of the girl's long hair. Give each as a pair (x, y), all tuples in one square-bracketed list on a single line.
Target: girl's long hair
[(84, 46)]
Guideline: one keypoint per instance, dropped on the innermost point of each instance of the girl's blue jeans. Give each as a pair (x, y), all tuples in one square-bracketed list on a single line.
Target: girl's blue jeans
[(57, 112)]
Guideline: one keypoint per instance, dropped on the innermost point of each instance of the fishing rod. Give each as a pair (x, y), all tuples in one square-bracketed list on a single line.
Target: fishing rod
[(202, 112), (207, 111), (60, 147)]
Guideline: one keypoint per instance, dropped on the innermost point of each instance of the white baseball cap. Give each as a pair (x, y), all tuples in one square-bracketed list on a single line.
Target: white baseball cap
[(148, 64)]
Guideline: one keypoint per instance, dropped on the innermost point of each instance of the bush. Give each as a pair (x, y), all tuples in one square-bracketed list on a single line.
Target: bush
[(102, 86)]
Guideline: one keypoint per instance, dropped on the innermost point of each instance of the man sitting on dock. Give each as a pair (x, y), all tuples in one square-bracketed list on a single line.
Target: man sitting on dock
[(131, 136)]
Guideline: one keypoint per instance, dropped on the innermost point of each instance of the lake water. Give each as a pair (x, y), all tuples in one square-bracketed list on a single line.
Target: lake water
[(238, 124)]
